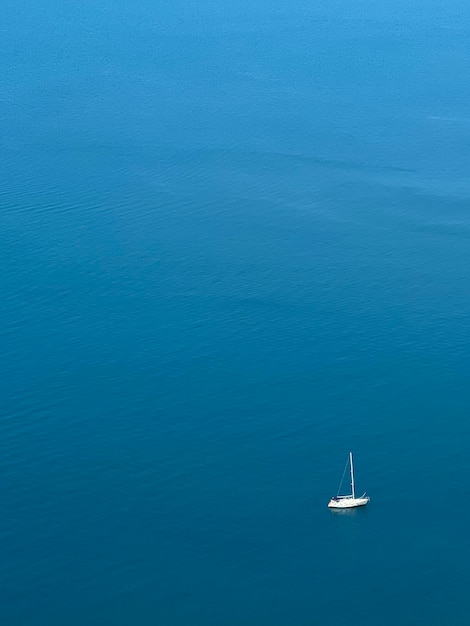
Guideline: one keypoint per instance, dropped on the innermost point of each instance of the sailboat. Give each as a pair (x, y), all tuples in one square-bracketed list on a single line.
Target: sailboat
[(349, 501)]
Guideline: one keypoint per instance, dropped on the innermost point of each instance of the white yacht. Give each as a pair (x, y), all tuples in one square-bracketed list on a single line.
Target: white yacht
[(349, 501)]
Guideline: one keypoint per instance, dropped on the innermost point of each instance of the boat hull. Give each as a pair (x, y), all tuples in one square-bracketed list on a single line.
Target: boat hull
[(347, 503)]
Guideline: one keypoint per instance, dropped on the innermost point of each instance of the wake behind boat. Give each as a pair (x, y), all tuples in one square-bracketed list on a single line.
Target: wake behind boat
[(348, 501)]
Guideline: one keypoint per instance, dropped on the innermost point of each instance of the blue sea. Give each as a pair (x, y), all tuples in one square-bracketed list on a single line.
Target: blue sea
[(235, 245)]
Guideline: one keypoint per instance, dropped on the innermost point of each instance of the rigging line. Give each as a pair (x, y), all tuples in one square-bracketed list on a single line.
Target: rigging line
[(342, 478)]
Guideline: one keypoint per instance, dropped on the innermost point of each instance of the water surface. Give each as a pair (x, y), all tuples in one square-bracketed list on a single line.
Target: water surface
[(234, 243)]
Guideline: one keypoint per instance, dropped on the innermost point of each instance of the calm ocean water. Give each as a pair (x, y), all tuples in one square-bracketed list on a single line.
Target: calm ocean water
[(234, 246)]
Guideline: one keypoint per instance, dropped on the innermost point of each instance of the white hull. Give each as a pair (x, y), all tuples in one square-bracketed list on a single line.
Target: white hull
[(347, 503)]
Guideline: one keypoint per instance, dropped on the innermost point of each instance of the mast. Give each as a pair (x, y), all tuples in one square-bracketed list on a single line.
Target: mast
[(352, 474)]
